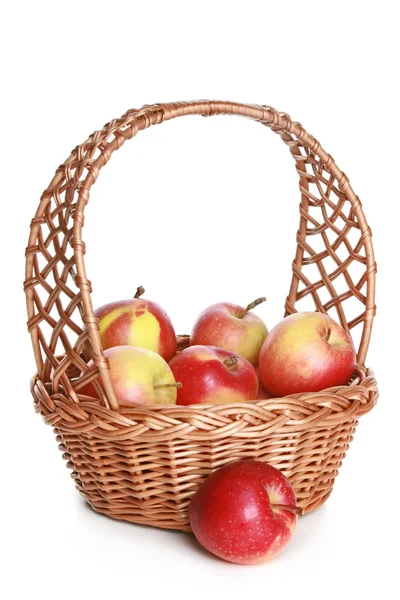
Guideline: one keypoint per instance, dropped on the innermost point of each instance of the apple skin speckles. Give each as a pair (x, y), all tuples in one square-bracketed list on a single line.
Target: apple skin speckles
[(137, 322), (306, 352), (221, 325), (208, 378), (138, 376), (233, 517)]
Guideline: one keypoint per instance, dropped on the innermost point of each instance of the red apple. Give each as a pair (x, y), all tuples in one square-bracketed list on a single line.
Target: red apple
[(137, 322), (139, 376), (263, 394), (239, 513), (211, 375), (232, 328), (306, 352)]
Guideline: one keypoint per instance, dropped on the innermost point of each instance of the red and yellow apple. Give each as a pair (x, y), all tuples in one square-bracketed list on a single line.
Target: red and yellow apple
[(210, 375), (232, 328), (138, 376), (306, 352), (245, 512), (137, 322)]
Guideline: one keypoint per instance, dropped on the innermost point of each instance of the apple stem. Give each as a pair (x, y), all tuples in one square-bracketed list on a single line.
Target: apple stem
[(230, 362), (250, 307), (293, 509), (165, 385), (328, 334), (139, 292)]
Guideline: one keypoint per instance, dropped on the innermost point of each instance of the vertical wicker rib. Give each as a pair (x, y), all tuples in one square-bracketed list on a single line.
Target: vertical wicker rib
[(144, 464)]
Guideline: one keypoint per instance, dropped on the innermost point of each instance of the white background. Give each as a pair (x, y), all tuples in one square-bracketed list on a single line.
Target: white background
[(197, 210)]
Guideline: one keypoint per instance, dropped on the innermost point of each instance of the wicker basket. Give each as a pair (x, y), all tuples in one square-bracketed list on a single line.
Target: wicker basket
[(143, 464)]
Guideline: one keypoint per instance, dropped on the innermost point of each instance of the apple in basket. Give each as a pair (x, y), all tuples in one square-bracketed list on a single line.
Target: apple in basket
[(137, 322), (139, 376), (211, 375), (245, 512), (306, 352), (232, 328), (263, 394)]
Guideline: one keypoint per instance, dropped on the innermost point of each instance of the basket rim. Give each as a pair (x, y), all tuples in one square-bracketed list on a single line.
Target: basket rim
[(295, 413)]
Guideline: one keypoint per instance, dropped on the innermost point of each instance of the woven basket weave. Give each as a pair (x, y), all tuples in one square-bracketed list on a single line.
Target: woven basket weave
[(143, 464)]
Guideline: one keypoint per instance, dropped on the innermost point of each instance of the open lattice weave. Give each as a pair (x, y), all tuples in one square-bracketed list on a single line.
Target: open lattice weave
[(143, 464)]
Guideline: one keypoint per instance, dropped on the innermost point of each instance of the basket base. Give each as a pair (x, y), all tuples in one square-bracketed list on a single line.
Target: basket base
[(179, 521), (177, 525)]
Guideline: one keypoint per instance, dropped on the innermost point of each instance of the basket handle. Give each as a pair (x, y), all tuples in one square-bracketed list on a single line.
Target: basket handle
[(87, 160)]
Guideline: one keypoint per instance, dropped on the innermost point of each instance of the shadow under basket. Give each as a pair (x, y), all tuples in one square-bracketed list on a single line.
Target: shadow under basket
[(143, 464)]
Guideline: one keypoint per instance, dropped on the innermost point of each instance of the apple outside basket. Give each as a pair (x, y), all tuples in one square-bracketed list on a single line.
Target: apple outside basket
[(143, 464)]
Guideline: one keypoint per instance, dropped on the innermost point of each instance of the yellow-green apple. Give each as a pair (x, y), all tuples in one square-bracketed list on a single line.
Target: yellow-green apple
[(210, 375), (306, 352), (137, 322), (245, 512), (232, 328), (138, 376)]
